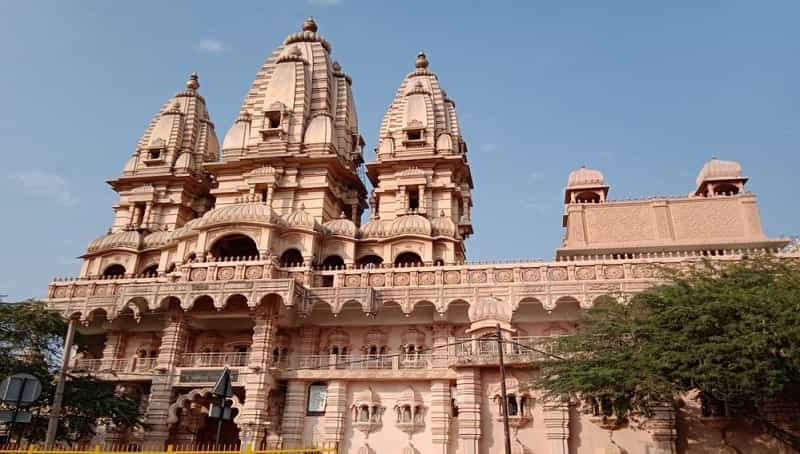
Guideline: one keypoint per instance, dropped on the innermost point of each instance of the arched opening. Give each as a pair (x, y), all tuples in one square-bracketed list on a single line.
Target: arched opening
[(725, 189), (408, 259), (370, 261), (151, 270), (291, 257), (115, 270), (587, 197), (235, 245), (438, 262), (333, 262)]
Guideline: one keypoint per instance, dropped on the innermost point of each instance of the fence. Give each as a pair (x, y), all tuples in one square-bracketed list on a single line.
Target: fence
[(211, 449)]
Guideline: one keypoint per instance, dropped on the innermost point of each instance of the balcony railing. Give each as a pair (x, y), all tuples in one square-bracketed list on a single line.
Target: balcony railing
[(368, 362), (102, 365), (519, 349), (214, 359)]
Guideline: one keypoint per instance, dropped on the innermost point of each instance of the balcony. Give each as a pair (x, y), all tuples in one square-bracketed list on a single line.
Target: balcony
[(115, 366), (214, 359), (368, 362), (519, 350)]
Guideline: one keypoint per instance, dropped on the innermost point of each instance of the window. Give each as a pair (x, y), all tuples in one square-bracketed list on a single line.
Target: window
[(317, 399), (272, 120), (155, 154), (512, 405), (414, 135), (453, 401), (413, 199)]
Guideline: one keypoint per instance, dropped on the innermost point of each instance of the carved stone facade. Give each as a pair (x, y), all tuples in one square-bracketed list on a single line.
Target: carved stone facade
[(374, 337)]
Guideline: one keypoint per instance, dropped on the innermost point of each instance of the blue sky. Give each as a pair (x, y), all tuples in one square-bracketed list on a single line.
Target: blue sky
[(644, 91)]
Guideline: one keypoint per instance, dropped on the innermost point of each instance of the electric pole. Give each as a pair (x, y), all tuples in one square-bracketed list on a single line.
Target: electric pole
[(55, 411), (504, 396)]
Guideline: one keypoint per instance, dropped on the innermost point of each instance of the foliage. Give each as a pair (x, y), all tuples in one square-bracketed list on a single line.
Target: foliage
[(31, 340), (728, 330)]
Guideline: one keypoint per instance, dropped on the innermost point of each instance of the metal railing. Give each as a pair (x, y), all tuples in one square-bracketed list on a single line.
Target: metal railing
[(527, 348), (232, 359), (170, 449), (369, 362), (102, 365)]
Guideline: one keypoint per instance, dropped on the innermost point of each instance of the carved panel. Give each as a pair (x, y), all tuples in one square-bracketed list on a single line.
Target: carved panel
[(100, 290), (503, 276), (452, 277), (531, 275), (80, 290), (118, 290), (226, 273), (198, 274), (477, 277), (427, 278), (558, 274), (585, 273), (353, 280), (402, 279), (61, 292), (640, 271), (377, 280), (253, 272), (615, 272)]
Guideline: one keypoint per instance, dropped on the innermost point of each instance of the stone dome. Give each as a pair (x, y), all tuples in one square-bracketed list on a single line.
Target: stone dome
[(157, 239), (490, 309), (126, 239), (443, 226), (585, 177), (376, 228), (180, 136), (413, 224), (256, 212), (185, 229), (300, 99), (301, 219), (341, 227), (717, 169), (420, 104)]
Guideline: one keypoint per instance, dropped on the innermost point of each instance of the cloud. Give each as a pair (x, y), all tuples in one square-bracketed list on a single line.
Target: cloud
[(489, 147), (210, 46), (324, 3), (43, 184)]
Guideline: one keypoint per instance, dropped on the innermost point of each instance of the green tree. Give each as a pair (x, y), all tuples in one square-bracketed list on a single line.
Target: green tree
[(31, 340), (730, 331)]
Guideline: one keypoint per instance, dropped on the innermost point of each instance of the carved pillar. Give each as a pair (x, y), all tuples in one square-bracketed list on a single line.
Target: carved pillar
[(440, 415), (172, 342), (468, 384), (556, 423), (255, 417), (662, 428), (293, 414), (115, 344), (335, 412), (309, 340)]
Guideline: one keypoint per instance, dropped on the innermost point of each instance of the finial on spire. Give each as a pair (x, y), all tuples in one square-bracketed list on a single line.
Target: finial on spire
[(422, 60), (310, 25), (193, 83)]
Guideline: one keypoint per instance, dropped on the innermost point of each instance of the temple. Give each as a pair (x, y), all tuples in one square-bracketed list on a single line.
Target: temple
[(339, 294)]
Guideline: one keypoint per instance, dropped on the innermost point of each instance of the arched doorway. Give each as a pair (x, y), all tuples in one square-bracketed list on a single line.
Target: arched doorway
[(408, 259), (333, 262), (370, 261), (235, 245), (291, 257), (115, 270)]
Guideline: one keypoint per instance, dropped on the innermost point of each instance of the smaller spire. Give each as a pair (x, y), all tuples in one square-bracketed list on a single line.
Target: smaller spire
[(422, 60), (193, 83), (310, 25)]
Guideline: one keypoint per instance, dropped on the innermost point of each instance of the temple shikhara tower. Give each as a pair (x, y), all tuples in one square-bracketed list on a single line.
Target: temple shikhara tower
[(339, 294)]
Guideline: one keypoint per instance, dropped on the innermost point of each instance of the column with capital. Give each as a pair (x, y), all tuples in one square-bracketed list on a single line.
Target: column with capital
[(169, 353), (556, 423), (468, 388), (254, 419)]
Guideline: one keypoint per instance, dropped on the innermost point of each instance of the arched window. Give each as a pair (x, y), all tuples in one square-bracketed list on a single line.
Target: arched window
[(408, 259), (725, 189), (150, 270), (235, 245), (114, 271), (333, 261), (370, 261), (438, 262), (587, 197), (291, 257)]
